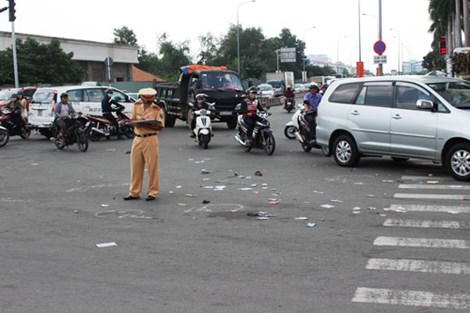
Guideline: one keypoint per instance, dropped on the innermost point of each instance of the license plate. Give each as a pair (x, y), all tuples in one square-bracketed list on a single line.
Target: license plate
[(39, 112), (225, 113)]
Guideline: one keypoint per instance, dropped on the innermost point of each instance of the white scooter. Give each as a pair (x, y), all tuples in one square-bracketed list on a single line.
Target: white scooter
[(203, 130), (293, 125)]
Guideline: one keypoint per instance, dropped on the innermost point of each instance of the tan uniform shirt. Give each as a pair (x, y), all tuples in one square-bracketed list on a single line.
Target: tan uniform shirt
[(153, 112)]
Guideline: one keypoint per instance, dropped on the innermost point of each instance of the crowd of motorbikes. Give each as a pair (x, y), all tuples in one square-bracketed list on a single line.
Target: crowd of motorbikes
[(81, 129)]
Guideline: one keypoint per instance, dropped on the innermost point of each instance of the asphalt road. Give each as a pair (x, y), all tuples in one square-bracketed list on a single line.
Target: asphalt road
[(201, 247)]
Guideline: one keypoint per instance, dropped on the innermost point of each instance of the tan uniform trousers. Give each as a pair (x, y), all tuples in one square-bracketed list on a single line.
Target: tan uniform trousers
[(144, 152)]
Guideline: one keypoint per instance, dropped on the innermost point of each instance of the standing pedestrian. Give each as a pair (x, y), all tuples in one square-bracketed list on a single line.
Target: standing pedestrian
[(148, 121)]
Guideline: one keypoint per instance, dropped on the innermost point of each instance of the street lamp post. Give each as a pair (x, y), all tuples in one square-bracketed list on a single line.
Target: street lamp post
[(238, 35), (399, 47)]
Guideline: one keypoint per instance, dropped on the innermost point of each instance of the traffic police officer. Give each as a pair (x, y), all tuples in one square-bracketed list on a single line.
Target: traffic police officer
[(148, 120)]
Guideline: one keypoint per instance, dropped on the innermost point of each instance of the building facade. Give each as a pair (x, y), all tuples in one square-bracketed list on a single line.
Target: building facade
[(90, 55)]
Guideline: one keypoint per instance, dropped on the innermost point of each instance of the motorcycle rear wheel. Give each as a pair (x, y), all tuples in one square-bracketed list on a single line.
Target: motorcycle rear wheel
[(25, 133), (204, 140), (269, 144), (4, 137), (82, 141), (306, 148), (128, 132)]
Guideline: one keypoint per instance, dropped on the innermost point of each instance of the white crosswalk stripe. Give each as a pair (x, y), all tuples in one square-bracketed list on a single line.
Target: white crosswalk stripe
[(423, 266), (412, 297), (422, 298)]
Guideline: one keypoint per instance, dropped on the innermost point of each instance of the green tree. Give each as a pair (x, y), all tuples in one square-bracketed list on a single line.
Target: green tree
[(125, 36), (172, 57), (434, 61), (40, 63)]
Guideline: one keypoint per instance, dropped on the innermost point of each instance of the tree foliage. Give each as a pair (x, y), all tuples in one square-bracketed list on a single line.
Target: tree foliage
[(39, 63), (125, 36)]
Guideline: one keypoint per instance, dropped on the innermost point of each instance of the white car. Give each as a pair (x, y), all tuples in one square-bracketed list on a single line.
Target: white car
[(265, 91), (84, 99), (299, 88)]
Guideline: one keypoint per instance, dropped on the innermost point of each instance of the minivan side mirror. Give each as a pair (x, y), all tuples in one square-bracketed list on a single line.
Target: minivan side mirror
[(425, 104)]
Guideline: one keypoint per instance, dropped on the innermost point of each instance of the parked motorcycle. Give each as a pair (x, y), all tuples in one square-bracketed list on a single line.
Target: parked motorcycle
[(293, 125), (75, 133), (203, 130), (13, 130), (4, 136), (290, 104), (262, 138), (100, 126)]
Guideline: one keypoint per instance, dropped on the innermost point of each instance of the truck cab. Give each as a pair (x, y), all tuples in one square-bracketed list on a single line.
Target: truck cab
[(221, 86)]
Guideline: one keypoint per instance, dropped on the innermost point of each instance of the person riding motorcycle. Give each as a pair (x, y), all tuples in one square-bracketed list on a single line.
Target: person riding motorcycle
[(200, 104), (289, 94), (249, 107), (107, 109), (61, 111), (311, 103), (17, 108)]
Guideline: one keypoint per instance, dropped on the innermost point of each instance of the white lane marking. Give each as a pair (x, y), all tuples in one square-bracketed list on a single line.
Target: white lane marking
[(426, 178), (424, 186), (87, 188), (422, 242), (429, 208), (412, 298), (430, 196), (423, 266), (391, 222)]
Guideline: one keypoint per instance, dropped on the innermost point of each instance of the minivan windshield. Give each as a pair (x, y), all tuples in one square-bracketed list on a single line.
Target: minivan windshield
[(456, 93)]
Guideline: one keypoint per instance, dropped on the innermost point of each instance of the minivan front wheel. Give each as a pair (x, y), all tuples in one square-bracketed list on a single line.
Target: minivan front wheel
[(345, 151), (458, 161)]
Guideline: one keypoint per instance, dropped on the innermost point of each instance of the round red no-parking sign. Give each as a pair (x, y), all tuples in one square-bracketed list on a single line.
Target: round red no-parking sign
[(379, 47)]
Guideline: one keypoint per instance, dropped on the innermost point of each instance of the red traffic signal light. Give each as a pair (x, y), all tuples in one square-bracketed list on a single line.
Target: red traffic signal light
[(443, 45)]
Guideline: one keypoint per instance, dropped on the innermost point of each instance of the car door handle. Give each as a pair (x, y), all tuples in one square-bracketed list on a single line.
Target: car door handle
[(397, 117), (355, 112)]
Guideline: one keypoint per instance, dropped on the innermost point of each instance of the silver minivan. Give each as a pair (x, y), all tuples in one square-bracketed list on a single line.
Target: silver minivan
[(425, 117)]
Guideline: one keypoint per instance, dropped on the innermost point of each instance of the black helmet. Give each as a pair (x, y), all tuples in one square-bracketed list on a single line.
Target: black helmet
[(20, 93), (64, 95), (109, 90), (251, 89), (14, 96)]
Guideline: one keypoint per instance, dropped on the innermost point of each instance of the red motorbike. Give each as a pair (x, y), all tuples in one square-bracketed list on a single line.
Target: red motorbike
[(99, 126), (15, 128)]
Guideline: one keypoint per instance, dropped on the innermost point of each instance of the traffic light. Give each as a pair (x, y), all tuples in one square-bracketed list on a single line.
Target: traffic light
[(443, 45), (12, 11)]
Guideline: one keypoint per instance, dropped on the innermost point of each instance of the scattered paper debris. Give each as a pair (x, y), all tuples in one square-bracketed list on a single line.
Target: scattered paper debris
[(356, 210), (262, 218), (245, 188), (182, 204), (453, 212), (273, 202), (179, 187), (387, 181), (75, 211), (190, 195), (311, 224), (218, 188), (171, 191), (104, 205), (34, 164), (110, 150), (335, 200), (204, 171), (327, 206), (106, 244), (301, 218)]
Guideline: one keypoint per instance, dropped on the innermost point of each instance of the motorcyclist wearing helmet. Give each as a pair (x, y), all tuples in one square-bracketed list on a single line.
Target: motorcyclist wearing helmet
[(108, 105), (249, 107), (61, 111), (311, 102), (17, 108), (289, 94), (200, 104)]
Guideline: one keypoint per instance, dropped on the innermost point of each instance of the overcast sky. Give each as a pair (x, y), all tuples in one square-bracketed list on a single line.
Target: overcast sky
[(328, 27)]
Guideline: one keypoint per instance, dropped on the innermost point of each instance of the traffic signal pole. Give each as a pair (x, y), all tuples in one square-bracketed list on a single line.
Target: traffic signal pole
[(12, 18)]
